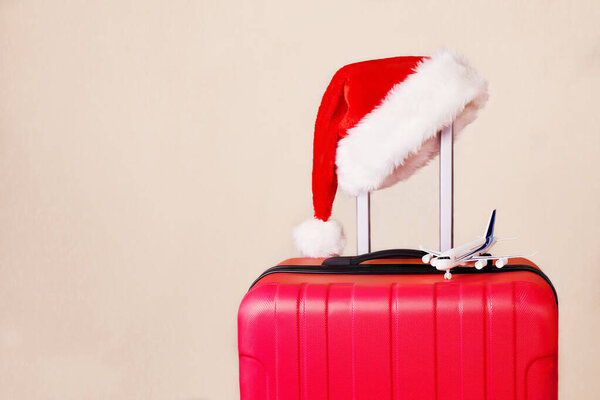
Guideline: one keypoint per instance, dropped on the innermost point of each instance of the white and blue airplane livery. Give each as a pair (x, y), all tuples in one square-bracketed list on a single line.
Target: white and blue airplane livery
[(469, 252)]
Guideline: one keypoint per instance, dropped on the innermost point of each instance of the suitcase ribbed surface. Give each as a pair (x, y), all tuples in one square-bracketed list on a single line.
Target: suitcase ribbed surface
[(478, 336)]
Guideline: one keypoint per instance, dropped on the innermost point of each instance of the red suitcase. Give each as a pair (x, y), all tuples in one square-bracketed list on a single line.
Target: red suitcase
[(393, 328), (386, 326)]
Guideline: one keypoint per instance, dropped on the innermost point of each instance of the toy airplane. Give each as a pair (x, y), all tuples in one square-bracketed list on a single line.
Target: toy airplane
[(446, 260)]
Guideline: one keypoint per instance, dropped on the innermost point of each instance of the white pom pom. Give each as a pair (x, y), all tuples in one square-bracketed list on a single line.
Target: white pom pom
[(316, 238)]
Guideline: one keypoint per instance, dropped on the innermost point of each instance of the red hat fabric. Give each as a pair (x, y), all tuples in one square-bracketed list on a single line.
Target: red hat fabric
[(377, 124)]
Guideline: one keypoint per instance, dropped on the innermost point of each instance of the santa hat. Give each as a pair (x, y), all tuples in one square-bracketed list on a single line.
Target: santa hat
[(377, 124)]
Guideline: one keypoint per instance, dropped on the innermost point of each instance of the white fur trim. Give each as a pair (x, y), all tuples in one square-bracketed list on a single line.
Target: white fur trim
[(316, 238), (399, 136)]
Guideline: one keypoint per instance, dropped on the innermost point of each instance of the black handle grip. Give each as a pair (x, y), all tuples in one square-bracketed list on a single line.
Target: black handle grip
[(400, 254)]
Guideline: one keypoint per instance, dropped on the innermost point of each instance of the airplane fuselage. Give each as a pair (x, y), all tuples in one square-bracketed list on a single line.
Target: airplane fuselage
[(459, 255)]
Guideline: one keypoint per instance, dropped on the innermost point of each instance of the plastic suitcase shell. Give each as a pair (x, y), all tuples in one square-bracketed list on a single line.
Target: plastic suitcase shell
[(395, 329)]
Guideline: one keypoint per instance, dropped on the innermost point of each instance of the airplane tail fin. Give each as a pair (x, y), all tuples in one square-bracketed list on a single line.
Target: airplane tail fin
[(489, 233)]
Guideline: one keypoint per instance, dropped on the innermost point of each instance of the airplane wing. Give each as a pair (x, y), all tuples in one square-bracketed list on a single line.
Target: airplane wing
[(433, 252), (497, 257)]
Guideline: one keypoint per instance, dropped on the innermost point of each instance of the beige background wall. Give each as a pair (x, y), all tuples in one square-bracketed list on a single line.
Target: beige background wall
[(155, 155)]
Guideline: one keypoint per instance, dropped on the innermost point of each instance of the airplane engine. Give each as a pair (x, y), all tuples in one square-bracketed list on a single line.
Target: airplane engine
[(501, 262), (426, 258), (480, 264)]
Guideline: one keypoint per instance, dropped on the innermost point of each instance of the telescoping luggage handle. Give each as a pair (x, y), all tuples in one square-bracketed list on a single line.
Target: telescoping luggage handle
[(363, 201)]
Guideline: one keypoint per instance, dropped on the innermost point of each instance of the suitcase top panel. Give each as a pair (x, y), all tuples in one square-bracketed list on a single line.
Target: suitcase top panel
[(410, 271)]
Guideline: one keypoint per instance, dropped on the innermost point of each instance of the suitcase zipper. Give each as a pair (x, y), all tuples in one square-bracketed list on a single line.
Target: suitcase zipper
[(398, 269)]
